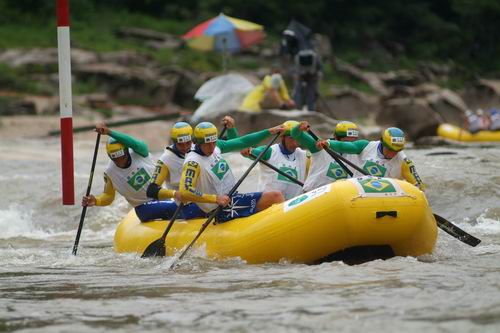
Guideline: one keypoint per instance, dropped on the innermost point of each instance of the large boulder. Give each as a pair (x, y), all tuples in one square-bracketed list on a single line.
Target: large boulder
[(130, 85), (483, 94), (412, 115), (348, 103), (448, 105)]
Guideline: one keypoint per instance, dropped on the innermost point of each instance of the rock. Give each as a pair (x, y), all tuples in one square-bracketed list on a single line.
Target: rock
[(247, 122), (412, 115), (15, 106), (130, 85), (348, 103), (484, 94), (44, 57), (448, 105), (372, 79), (127, 58), (399, 78), (152, 38)]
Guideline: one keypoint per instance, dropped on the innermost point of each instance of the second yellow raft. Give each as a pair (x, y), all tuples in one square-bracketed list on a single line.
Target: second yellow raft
[(456, 133), (309, 228)]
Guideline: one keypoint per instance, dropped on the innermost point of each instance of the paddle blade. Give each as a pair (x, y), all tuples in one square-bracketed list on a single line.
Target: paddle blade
[(456, 232), (155, 249)]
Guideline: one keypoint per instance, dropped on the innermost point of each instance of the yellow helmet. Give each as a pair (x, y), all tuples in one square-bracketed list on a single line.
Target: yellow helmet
[(115, 149), (181, 132), (393, 138), (346, 129), (205, 132), (289, 124)]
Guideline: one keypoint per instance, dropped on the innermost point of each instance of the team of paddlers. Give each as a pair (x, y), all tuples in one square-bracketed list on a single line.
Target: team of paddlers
[(192, 169)]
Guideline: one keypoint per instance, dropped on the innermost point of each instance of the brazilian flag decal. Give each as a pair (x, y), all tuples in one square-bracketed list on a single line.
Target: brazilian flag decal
[(289, 171), (335, 171), (374, 169), (139, 179), (220, 169), (371, 185)]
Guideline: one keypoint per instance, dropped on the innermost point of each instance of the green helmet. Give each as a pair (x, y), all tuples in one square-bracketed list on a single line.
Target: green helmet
[(205, 132)]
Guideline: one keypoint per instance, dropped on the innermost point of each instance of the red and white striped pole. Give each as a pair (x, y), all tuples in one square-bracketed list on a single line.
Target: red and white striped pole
[(65, 102)]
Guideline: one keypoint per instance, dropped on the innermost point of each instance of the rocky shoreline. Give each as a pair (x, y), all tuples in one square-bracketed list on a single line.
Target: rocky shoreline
[(126, 83)]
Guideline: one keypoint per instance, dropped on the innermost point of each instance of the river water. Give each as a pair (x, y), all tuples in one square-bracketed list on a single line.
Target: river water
[(43, 288)]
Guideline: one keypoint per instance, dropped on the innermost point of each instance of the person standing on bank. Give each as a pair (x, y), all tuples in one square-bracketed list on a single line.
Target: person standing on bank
[(308, 70)]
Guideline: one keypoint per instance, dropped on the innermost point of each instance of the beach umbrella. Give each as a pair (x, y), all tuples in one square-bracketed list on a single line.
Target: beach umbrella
[(224, 34)]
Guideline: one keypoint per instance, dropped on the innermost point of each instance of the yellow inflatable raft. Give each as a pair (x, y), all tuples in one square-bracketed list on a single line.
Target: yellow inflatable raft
[(310, 228), (456, 133)]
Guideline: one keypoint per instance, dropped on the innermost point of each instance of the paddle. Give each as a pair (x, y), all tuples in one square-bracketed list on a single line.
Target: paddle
[(221, 135), (231, 192), (89, 186), (157, 248), (442, 223)]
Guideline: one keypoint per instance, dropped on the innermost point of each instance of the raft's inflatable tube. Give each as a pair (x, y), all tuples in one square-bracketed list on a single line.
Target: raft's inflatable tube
[(456, 133), (306, 229)]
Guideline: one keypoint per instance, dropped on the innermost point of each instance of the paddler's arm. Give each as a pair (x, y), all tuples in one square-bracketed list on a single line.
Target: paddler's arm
[(256, 152), (155, 191), (243, 142), (140, 147), (410, 174), (190, 173), (303, 138), (103, 199), (354, 147)]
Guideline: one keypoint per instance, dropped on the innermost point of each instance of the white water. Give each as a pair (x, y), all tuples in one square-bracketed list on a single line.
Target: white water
[(44, 288)]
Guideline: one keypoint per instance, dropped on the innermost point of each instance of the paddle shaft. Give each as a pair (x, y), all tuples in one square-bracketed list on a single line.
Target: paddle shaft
[(442, 223), (272, 167), (89, 186), (224, 129), (339, 159), (231, 192)]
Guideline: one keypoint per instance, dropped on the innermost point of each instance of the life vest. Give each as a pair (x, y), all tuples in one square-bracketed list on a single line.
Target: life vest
[(132, 182), (325, 170), (215, 176), (293, 165), (376, 165), (174, 164)]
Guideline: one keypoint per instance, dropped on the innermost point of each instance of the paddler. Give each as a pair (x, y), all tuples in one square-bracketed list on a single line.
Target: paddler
[(129, 173), (169, 166), (324, 169), (207, 178), (380, 158), (288, 157)]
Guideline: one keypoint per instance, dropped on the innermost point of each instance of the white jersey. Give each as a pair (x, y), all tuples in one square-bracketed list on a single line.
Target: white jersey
[(174, 164), (377, 165), (132, 182), (293, 165), (325, 170), (215, 176)]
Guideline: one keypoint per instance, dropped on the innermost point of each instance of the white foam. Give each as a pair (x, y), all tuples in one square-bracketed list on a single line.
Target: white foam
[(17, 221), (487, 225)]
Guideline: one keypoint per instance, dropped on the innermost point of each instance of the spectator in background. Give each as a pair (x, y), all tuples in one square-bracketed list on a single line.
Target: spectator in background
[(308, 70), (270, 94)]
